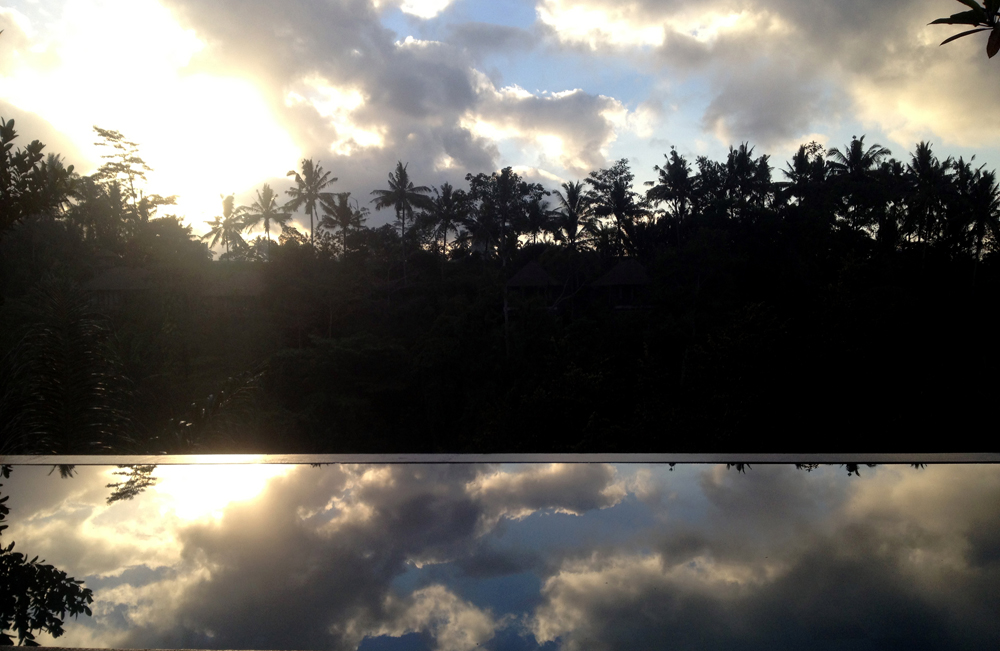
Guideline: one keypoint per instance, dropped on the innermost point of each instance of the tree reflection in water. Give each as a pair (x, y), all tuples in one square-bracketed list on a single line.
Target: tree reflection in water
[(34, 596)]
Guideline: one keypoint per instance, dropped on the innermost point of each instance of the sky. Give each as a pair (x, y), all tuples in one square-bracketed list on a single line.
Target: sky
[(521, 557), (223, 96)]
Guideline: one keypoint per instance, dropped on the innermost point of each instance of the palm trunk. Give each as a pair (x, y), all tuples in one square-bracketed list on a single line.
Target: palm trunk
[(402, 239)]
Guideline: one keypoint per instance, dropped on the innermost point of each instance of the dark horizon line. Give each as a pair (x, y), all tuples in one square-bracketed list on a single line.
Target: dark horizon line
[(520, 457)]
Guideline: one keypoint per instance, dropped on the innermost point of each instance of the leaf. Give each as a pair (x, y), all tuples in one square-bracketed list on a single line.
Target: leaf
[(961, 18), (971, 31), (976, 7), (992, 6), (993, 45)]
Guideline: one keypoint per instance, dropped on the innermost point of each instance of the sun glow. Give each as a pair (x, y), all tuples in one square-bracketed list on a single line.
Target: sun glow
[(199, 491), (126, 62)]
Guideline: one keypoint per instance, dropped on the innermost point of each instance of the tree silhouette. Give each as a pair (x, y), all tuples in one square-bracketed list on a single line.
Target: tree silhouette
[(674, 187), (982, 17), (265, 209), (747, 180), (570, 220), (537, 218), (611, 195), (125, 168), (976, 208), (28, 184), (403, 196), (308, 190), (929, 183), (854, 171), (137, 479), (226, 228), (340, 215), (448, 210), (34, 596)]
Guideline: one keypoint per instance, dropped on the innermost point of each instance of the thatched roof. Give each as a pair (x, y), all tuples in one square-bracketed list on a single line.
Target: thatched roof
[(532, 275), (119, 279), (626, 272)]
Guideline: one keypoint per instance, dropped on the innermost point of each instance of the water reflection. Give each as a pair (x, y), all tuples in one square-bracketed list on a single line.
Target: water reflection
[(579, 556)]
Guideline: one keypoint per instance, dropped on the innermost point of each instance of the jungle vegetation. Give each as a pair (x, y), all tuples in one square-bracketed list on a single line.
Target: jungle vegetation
[(843, 301)]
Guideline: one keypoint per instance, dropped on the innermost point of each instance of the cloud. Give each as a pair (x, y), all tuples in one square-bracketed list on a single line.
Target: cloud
[(568, 488), (359, 97), (273, 572), (454, 624), (778, 69), (326, 557), (420, 8), (884, 561), (479, 39)]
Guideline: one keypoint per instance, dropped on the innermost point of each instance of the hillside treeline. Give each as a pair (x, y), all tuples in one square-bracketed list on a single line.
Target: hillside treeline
[(846, 301)]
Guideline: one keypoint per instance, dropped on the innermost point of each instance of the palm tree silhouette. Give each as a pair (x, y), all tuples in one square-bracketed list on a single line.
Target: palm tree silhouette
[(674, 187), (570, 220), (537, 218), (976, 210), (449, 209), (308, 190), (854, 170), (338, 214), (929, 183), (265, 209), (611, 195), (402, 196), (857, 160), (226, 228)]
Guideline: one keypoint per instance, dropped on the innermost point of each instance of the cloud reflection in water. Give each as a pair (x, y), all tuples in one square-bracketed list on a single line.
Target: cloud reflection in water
[(582, 556)]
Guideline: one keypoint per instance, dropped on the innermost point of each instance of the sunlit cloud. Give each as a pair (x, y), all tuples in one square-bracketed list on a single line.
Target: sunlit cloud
[(337, 106), (455, 624), (596, 24), (420, 8), (194, 492)]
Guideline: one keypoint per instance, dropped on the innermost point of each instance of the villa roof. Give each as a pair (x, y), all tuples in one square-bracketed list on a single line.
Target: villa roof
[(627, 272), (532, 275)]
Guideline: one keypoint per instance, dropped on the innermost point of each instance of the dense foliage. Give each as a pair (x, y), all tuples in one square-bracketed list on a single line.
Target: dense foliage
[(34, 596), (840, 303)]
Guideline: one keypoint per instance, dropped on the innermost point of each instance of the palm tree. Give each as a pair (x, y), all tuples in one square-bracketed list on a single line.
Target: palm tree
[(857, 161), (402, 196), (570, 220), (226, 228), (265, 209), (976, 209), (674, 187), (929, 183), (854, 170), (611, 195), (449, 209), (339, 215), (537, 218), (308, 190)]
